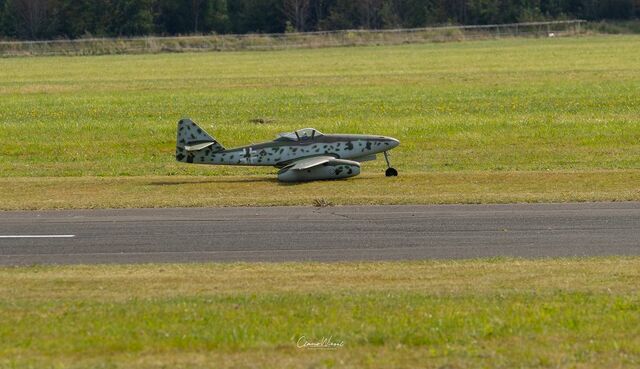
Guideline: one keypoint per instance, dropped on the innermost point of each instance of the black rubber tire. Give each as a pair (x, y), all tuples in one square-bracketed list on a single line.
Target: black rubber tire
[(391, 172)]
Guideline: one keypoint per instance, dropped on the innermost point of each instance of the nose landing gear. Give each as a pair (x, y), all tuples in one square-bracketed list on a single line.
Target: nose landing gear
[(390, 172)]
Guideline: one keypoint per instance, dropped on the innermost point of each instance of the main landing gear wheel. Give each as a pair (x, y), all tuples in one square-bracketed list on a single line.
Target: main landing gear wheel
[(390, 172)]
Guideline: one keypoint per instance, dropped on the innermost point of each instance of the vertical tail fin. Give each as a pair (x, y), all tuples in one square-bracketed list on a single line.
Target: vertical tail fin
[(192, 138)]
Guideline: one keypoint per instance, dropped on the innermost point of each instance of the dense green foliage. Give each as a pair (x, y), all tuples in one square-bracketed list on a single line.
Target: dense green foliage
[(43, 19)]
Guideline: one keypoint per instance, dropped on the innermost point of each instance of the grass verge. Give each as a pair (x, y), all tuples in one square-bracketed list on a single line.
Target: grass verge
[(370, 188), (485, 121), (501, 313)]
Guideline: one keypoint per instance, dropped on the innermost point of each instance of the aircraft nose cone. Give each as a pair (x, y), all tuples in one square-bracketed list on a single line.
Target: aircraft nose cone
[(392, 142)]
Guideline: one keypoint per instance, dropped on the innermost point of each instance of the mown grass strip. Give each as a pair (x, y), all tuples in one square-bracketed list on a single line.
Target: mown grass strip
[(370, 188), (498, 312), (488, 121), (504, 105)]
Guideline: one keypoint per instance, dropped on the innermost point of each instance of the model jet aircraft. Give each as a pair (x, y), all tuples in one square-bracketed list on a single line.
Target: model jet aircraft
[(303, 155)]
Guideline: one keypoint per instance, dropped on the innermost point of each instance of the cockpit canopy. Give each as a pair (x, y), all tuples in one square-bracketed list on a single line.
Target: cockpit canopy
[(299, 135)]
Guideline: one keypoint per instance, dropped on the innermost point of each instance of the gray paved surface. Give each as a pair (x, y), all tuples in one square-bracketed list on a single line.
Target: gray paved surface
[(323, 234)]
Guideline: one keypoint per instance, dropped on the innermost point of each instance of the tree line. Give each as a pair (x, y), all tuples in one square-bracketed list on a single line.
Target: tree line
[(51, 19)]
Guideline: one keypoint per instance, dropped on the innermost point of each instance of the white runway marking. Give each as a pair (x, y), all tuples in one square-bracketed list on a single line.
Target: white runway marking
[(39, 236)]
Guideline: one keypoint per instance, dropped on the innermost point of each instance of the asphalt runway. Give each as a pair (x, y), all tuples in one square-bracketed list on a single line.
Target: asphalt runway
[(319, 234)]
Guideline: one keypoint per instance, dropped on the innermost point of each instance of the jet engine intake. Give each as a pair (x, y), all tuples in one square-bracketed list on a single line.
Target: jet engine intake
[(334, 169)]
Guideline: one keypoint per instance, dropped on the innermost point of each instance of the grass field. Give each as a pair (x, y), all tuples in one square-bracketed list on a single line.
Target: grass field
[(258, 190), (489, 121), (487, 111), (504, 313)]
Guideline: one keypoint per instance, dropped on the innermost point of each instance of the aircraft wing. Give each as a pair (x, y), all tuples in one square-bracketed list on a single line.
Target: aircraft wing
[(307, 163)]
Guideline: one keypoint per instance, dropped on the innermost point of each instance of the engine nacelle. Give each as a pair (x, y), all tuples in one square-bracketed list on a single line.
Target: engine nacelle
[(334, 169)]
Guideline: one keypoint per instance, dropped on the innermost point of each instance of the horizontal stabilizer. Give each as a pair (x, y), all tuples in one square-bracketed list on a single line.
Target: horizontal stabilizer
[(194, 143), (198, 146)]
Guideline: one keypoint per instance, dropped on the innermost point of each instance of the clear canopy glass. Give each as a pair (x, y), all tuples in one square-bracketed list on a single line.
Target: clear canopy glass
[(299, 135)]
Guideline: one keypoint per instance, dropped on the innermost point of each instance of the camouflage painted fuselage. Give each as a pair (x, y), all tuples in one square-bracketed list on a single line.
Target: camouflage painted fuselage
[(279, 154), (196, 146)]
